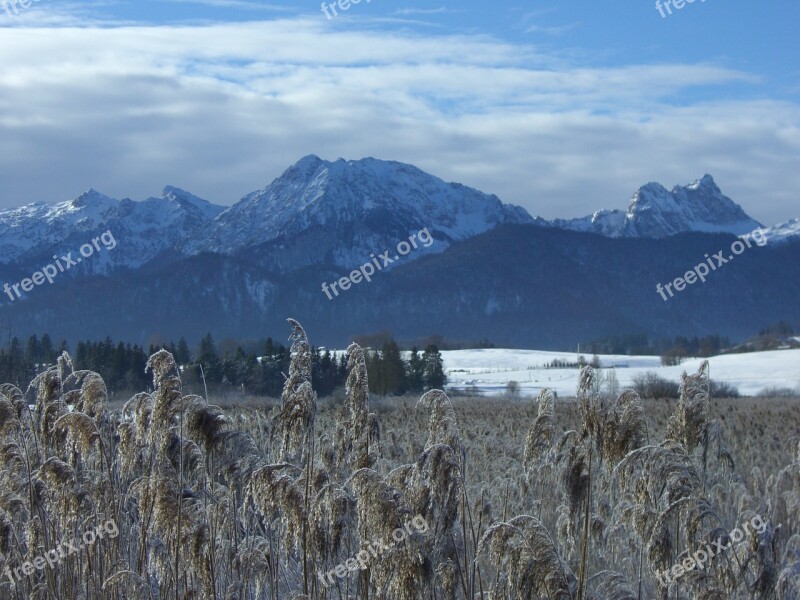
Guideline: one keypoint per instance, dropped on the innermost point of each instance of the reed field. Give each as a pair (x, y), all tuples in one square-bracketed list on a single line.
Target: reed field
[(593, 497)]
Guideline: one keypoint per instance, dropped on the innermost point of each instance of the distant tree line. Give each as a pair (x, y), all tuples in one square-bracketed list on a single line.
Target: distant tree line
[(390, 374), (19, 363), (772, 337), (121, 365), (640, 345), (377, 340), (673, 350), (255, 373)]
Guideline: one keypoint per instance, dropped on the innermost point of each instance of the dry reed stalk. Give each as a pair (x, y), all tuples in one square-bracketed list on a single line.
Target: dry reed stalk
[(203, 514), (524, 551), (298, 401), (354, 429)]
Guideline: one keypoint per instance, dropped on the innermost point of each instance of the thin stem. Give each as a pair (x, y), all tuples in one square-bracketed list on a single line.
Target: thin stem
[(585, 542)]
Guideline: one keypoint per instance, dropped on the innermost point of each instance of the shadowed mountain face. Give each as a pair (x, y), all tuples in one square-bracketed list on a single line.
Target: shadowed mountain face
[(332, 213), (181, 266), (521, 285), (344, 210)]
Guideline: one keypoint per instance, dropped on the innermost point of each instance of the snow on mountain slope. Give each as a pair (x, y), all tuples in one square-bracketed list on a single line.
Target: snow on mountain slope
[(142, 229), (655, 212), (603, 222), (783, 232), (354, 208), (336, 213), (33, 227), (489, 370)]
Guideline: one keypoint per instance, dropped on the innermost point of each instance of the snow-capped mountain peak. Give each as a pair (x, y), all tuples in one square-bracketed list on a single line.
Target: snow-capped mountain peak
[(336, 213), (143, 229), (352, 208), (656, 212), (186, 200), (705, 181)]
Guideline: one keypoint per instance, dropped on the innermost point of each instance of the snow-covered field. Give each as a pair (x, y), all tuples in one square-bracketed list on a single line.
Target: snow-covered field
[(488, 371)]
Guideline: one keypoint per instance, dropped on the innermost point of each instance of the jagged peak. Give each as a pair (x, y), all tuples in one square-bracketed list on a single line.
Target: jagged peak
[(307, 164), (309, 159), (88, 198), (376, 193), (655, 211), (651, 186), (705, 181), (91, 193), (171, 192)]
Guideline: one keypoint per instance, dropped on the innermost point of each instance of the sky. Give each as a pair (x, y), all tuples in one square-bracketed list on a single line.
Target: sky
[(563, 108)]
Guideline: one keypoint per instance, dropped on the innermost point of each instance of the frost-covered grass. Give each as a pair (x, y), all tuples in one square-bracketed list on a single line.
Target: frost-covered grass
[(526, 498)]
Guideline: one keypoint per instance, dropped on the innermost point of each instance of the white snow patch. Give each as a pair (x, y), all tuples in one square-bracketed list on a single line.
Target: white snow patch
[(490, 370)]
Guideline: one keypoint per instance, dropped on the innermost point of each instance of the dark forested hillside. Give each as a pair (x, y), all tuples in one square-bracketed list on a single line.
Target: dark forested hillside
[(520, 285)]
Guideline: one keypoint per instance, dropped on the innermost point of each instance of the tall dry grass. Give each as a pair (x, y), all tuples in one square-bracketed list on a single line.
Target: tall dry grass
[(551, 499)]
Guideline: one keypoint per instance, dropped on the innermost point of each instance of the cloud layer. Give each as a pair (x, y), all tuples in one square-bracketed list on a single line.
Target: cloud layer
[(222, 108)]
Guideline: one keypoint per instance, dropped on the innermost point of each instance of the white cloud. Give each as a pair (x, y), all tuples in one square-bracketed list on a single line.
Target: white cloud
[(222, 109), (425, 11), (552, 30), (237, 4)]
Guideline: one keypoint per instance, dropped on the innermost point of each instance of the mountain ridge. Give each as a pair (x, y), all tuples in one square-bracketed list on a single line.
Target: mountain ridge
[(518, 284), (655, 212), (184, 266), (335, 213), (351, 209)]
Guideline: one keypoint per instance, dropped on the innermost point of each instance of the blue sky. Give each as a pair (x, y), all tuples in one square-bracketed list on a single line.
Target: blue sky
[(562, 109)]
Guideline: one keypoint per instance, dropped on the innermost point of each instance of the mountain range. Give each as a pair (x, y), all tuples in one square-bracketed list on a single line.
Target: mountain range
[(655, 212), (184, 266)]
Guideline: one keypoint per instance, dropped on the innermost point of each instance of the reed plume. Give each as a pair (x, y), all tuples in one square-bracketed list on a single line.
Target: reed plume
[(526, 554), (541, 434), (354, 428), (298, 401)]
